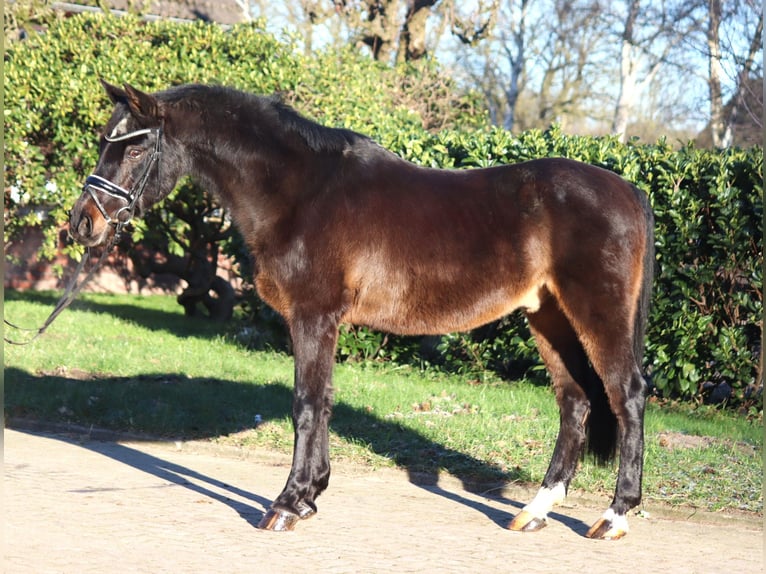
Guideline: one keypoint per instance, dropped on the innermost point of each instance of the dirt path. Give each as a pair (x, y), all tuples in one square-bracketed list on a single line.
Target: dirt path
[(89, 506)]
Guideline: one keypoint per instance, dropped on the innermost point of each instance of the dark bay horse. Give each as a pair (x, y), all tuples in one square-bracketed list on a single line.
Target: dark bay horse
[(343, 231)]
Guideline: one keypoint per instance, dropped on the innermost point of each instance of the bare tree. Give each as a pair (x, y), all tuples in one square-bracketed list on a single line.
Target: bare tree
[(494, 54), (540, 63), (397, 30), (561, 58), (649, 36), (567, 55), (722, 121)]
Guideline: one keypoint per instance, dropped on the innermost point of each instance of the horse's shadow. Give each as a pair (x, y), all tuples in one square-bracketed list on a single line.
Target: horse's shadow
[(187, 478), (500, 517), (273, 402)]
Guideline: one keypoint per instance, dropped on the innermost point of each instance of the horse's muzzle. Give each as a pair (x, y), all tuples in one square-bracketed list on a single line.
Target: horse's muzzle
[(87, 226)]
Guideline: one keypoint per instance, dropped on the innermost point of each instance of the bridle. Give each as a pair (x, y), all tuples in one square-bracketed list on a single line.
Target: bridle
[(95, 184)]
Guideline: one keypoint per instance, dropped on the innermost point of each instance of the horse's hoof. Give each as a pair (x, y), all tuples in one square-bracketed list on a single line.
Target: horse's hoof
[(527, 522), (605, 529), (278, 520), (284, 520), (306, 510)]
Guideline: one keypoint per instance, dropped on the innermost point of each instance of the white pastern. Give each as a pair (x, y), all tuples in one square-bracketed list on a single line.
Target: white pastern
[(546, 499), (619, 521)]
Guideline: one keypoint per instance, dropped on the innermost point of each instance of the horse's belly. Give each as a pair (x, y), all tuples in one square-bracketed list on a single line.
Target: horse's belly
[(437, 311)]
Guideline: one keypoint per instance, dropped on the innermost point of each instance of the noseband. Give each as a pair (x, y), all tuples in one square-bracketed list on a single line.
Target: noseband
[(95, 184)]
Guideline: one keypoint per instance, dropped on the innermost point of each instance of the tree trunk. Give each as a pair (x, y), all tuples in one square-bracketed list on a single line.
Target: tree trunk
[(516, 62), (627, 94), (628, 71), (412, 40), (381, 29), (715, 73)]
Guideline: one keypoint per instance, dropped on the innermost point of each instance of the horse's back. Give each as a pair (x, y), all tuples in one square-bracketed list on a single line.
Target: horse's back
[(445, 251)]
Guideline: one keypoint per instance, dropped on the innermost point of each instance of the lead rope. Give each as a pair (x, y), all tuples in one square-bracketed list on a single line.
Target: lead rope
[(70, 293)]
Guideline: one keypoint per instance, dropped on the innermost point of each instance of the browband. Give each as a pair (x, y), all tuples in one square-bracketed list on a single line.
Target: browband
[(130, 135)]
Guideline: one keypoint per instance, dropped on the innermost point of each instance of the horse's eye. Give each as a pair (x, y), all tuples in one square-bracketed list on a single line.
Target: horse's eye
[(135, 153)]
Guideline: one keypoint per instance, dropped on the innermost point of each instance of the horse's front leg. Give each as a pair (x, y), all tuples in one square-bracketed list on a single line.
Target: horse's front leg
[(314, 343)]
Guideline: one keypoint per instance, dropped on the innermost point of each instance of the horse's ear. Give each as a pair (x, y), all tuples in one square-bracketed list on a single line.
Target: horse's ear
[(116, 94), (142, 105)]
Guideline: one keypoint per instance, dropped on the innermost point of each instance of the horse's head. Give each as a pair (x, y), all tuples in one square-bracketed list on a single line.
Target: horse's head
[(136, 167)]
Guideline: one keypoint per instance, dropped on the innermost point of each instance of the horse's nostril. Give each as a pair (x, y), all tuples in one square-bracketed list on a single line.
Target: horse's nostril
[(86, 226)]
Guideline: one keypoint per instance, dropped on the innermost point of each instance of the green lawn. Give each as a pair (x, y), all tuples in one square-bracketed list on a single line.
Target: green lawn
[(137, 364)]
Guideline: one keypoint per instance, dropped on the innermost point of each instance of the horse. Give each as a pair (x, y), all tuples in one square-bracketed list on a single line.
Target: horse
[(343, 231)]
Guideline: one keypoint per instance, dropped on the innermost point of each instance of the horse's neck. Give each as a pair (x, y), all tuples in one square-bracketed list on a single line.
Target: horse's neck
[(259, 189)]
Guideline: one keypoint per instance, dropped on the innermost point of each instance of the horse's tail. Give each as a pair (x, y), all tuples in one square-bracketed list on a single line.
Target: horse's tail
[(602, 429), (645, 296)]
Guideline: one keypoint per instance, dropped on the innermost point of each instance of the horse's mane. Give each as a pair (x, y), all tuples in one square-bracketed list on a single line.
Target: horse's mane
[(268, 114), (319, 138)]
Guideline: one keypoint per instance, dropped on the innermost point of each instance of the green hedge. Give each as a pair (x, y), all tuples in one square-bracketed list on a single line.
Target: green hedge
[(705, 327)]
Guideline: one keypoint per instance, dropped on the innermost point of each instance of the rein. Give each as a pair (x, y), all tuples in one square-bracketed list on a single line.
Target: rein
[(70, 293), (93, 185)]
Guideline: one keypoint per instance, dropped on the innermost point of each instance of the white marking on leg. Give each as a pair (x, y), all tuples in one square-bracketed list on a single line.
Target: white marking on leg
[(546, 499), (619, 521)]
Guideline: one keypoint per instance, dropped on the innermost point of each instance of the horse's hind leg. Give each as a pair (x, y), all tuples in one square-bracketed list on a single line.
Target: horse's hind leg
[(626, 390), (606, 329), (314, 348), (568, 366)]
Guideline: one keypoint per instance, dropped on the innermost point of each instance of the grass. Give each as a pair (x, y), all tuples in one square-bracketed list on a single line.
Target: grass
[(137, 364)]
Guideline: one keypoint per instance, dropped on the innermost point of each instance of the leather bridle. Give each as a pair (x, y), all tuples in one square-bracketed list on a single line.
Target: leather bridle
[(95, 185)]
